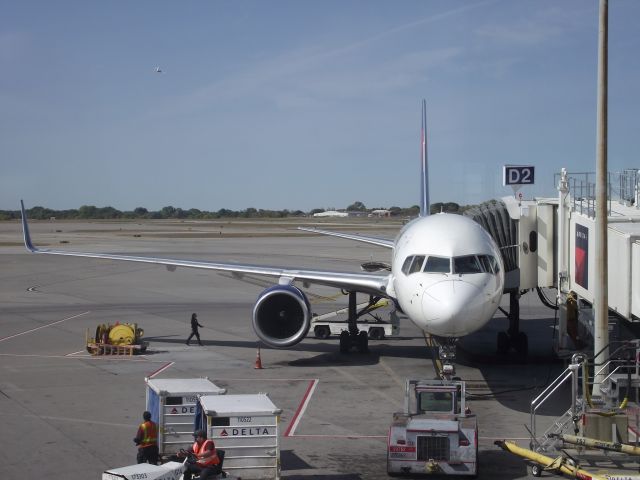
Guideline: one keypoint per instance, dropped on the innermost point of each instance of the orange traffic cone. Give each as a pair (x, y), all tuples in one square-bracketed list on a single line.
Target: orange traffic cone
[(258, 364)]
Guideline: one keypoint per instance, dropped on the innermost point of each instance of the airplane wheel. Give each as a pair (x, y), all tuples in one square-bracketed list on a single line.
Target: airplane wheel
[(363, 342), (503, 343), (536, 470), (344, 342), (322, 332), (376, 333)]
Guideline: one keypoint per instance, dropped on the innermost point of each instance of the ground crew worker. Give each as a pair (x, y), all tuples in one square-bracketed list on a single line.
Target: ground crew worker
[(194, 329), (207, 461), (147, 440)]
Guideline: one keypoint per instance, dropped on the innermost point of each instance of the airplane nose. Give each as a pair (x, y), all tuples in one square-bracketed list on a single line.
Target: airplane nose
[(447, 305)]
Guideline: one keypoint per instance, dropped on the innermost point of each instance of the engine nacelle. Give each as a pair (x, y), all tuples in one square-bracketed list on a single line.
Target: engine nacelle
[(282, 316)]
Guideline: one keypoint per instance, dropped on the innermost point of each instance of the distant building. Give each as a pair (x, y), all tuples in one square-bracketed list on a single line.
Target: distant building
[(331, 213), (380, 213)]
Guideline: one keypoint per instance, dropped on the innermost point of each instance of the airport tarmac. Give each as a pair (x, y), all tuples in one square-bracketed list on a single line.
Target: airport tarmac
[(66, 414)]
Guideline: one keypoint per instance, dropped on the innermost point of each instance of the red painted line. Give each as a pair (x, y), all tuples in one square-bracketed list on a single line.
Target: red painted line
[(161, 369), (300, 408)]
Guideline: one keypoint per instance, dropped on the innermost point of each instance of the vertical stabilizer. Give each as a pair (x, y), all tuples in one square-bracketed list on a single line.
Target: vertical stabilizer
[(424, 177)]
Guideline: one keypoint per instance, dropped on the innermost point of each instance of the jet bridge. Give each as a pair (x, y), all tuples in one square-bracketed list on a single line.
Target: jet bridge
[(549, 243)]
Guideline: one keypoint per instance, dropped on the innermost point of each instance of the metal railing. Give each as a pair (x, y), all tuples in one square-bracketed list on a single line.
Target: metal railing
[(622, 187)]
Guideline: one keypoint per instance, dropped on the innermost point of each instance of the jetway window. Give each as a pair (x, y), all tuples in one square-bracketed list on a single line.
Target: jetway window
[(437, 265), (533, 241), (466, 264)]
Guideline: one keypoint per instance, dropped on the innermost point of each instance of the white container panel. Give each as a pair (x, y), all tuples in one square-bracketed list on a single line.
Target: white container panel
[(619, 272), (635, 279), (246, 428), (546, 241)]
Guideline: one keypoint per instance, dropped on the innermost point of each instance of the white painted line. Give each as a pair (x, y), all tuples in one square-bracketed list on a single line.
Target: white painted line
[(75, 353), (338, 436), (301, 408), (43, 326), (120, 358)]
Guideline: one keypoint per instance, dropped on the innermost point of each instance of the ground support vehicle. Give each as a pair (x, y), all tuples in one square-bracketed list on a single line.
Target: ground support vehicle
[(118, 339), (146, 471), (331, 323), (435, 434)]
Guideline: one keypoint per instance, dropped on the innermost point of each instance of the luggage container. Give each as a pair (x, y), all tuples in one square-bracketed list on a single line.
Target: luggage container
[(166, 471), (172, 403), (246, 428)]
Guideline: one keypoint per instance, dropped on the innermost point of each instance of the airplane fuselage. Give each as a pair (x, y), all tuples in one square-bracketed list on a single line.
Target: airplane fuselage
[(447, 274)]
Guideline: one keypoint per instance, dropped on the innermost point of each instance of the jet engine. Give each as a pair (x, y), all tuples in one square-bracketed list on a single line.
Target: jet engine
[(282, 316)]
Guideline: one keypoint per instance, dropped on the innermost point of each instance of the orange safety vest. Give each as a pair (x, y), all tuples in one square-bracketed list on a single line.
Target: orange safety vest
[(150, 434), (211, 460)]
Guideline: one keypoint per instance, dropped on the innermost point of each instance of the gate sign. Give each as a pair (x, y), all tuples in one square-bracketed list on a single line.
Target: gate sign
[(518, 175)]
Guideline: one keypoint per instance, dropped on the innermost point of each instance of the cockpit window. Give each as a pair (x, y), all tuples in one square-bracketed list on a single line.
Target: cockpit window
[(407, 264), (466, 264), (494, 264), (437, 265), (416, 265), (412, 264), (486, 263), (475, 264)]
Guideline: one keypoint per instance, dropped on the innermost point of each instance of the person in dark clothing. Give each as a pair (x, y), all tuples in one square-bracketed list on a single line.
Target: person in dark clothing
[(147, 440), (194, 329)]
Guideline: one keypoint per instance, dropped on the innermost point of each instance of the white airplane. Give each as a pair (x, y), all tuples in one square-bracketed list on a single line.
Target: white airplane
[(447, 276)]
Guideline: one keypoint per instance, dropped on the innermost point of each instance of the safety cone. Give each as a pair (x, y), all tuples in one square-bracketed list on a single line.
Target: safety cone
[(258, 364)]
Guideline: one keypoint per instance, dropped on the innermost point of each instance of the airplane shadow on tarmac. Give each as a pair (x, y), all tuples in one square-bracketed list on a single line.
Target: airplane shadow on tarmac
[(509, 380)]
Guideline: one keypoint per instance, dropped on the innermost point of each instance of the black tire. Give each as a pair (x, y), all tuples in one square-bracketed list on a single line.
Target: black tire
[(376, 333), (363, 342), (536, 470), (522, 346), (322, 332), (344, 342), (503, 343)]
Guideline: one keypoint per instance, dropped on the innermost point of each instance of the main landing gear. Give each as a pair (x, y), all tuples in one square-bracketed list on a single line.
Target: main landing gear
[(513, 338), (353, 338)]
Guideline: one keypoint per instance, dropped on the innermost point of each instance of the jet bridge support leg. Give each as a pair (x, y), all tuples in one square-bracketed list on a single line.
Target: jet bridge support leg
[(513, 337), (353, 337)]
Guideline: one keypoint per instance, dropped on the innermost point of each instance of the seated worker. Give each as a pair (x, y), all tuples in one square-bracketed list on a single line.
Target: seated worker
[(207, 462)]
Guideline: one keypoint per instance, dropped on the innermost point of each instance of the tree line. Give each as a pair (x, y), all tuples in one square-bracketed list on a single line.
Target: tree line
[(91, 212)]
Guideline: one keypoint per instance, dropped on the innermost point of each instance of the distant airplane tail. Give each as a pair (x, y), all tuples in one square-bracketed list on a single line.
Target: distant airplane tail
[(25, 230), (424, 177)]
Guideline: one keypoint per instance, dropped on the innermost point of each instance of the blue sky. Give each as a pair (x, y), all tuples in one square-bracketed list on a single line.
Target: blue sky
[(304, 104)]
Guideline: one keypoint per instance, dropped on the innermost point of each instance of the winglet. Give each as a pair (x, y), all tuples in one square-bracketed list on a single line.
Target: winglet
[(25, 230), (424, 177)]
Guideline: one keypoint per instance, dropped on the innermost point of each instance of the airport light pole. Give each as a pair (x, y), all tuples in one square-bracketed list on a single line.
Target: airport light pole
[(600, 300)]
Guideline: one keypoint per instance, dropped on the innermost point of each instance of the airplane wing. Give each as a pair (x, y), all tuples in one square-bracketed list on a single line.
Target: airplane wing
[(381, 242), (360, 282)]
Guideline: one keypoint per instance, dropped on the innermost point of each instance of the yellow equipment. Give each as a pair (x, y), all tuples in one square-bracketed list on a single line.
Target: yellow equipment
[(541, 462), (121, 338)]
